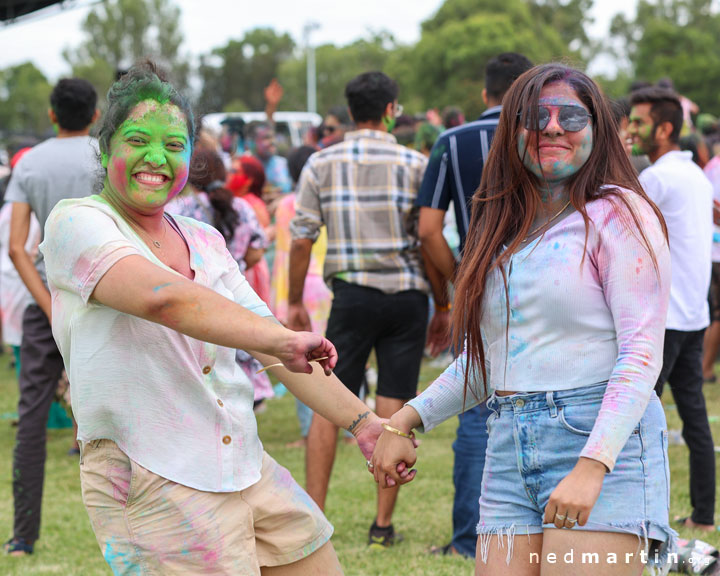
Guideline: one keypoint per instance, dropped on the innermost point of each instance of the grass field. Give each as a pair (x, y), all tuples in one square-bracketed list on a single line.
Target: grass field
[(67, 545)]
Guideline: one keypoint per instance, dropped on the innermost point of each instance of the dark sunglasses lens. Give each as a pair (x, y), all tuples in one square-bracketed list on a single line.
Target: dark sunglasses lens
[(573, 118), (542, 120)]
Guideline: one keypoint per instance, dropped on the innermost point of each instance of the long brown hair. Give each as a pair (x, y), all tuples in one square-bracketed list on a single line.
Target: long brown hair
[(504, 205)]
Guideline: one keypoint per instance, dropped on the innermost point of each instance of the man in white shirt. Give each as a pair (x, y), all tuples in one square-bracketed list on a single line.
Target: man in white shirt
[(684, 196)]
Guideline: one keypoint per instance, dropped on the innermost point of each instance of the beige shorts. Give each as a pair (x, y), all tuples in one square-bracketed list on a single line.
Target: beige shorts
[(146, 524)]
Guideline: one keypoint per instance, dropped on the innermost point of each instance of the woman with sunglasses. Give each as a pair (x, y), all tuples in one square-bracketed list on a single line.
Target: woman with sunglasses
[(560, 299)]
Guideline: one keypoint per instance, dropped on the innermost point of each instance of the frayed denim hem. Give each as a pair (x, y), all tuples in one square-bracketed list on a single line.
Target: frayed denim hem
[(662, 558), (486, 533), (659, 561)]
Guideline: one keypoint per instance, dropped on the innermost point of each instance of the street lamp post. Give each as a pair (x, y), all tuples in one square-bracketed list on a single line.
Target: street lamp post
[(311, 72)]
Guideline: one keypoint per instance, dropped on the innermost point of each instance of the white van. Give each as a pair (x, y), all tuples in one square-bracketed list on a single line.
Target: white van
[(290, 127)]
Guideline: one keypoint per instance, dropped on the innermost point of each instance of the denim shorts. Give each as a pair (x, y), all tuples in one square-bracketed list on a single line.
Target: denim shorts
[(535, 440)]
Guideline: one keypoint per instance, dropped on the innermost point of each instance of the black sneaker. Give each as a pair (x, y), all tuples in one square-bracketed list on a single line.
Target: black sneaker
[(18, 547), (380, 538)]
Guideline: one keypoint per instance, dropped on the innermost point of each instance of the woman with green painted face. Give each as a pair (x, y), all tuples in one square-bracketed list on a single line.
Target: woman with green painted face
[(148, 310)]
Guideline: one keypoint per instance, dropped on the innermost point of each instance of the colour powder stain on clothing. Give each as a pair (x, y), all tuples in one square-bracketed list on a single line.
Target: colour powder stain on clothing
[(118, 562)]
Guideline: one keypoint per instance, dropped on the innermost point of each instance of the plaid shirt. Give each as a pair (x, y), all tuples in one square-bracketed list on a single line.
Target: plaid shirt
[(363, 189)]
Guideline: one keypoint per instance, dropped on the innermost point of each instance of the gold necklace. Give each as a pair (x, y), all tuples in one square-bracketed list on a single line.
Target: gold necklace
[(156, 243), (547, 222)]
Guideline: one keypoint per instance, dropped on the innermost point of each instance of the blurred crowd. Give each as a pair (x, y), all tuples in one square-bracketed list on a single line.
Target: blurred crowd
[(245, 179)]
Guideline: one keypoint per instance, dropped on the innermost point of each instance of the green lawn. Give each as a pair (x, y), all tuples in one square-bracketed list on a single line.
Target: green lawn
[(67, 545)]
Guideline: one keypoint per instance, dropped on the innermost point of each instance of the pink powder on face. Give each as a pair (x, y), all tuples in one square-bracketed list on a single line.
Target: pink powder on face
[(181, 176), (117, 173), (143, 108), (119, 164)]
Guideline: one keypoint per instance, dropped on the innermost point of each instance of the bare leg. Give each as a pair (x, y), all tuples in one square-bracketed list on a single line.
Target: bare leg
[(386, 407), (590, 553), (322, 562), (524, 561), (319, 458), (711, 349)]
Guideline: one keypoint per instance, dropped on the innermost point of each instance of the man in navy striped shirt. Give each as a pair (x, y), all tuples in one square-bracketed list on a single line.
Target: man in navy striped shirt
[(453, 174)]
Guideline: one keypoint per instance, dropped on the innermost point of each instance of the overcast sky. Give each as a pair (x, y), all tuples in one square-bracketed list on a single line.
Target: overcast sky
[(207, 24)]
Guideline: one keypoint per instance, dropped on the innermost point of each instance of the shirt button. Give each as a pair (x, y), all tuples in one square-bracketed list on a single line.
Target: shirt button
[(227, 439), (207, 369), (220, 403), (520, 403)]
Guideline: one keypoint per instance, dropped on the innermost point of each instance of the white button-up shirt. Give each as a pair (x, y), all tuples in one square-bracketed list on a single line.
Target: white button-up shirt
[(180, 407), (684, 195)]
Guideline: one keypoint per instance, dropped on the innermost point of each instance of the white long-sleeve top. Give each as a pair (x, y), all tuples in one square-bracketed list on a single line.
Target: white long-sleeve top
[(574, 323)]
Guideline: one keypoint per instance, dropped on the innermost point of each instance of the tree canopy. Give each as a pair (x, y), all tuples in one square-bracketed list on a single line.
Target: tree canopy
[(676, 39), (456, 44), (238, 72), (667, 38), (335, 67), (120, 32), (24, 100), (445, 67)]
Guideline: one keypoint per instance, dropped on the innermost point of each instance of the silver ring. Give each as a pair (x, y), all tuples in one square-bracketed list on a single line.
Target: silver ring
[(572, 521), (560, 517), (370, 465)]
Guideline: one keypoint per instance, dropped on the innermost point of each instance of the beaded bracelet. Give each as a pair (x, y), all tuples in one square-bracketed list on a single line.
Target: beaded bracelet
[(389, 428)]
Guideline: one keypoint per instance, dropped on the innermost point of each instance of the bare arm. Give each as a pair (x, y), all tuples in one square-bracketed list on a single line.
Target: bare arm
[(430, 229), (273, 94), (253, 256), (300, 249), (438, 283), (329, 397), (326, 395), (136, 286), (19, 231), (438, 336)]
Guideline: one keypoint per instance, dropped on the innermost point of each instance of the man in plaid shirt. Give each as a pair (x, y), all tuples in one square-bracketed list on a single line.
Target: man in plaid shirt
[(363, 190)]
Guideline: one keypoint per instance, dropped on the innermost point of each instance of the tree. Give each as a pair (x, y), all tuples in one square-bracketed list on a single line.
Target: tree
[(120, 32), (24, 100), (240, 70), (336, 66), (676, 39), (569, 18), (444, 67), (457, 42)]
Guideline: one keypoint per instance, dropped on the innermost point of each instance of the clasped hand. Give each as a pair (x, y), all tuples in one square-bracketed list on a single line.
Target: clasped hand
[(392, 461)]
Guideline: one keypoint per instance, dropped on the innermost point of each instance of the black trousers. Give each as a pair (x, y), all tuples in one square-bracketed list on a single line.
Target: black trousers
[(363, 318), (682, 369), (40, 369)]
